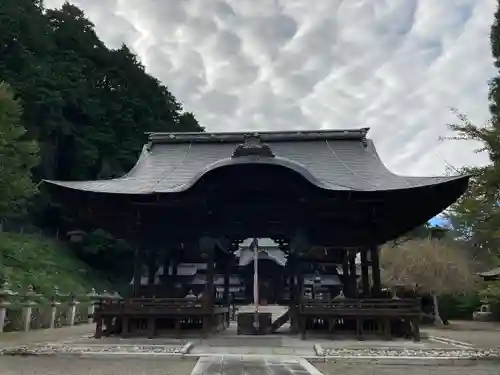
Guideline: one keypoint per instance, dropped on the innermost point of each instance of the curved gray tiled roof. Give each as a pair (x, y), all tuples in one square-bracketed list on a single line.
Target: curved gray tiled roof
[(334, 160)]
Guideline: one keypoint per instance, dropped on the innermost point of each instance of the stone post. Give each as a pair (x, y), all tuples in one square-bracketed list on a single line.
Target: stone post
[(92, 302), (28, 303), (5, 293), (53, 307), (73, 303)]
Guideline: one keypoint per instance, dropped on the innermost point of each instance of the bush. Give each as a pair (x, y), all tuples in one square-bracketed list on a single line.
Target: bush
[(36, 260), (459, 307), (491, 295)]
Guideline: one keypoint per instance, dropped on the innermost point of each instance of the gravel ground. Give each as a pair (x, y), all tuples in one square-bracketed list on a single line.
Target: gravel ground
[(87, 349), (332, 368), (399, 352), (95, 366)]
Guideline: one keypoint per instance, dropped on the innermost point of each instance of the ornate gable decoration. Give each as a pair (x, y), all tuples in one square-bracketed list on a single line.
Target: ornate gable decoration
[(253, 147)]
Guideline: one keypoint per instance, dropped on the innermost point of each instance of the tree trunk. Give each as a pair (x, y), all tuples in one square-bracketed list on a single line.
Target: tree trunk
[(437, 317)]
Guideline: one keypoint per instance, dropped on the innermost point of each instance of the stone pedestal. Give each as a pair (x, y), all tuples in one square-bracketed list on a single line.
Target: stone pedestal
[(246, 323)]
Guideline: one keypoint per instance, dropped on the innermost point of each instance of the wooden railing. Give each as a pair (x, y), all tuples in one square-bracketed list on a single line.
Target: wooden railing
[(370, 315), (147, 306), (147, 315), (362, 307)]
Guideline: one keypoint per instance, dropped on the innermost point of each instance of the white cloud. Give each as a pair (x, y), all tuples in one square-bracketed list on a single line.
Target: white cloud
[(394, 65)]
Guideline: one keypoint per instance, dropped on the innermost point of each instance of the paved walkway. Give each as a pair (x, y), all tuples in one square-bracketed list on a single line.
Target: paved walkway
[(63, 334), (95, 366), (332, 368), (174, 366), (253, 366), (283, 354), (476, 334)]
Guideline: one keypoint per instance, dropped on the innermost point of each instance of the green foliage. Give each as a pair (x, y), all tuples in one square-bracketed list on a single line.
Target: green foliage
[(44, 263), (491, 293), (87, 106), (475, 217), (459, 307), (106, 254), (17, 156)]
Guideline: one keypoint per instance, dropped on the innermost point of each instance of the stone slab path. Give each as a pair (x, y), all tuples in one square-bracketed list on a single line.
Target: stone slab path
[(242, 365)]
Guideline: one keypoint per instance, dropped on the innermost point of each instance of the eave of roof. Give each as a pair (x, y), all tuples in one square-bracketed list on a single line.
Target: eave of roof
[(335, 160), (266, 136)]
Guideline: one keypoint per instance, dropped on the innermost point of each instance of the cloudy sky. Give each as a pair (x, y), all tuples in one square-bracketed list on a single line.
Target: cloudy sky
[(396, 66)]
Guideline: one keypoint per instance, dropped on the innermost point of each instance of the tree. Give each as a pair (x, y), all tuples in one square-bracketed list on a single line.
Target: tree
[(17, 156), (476, 217), (434, 267), (87, 106)]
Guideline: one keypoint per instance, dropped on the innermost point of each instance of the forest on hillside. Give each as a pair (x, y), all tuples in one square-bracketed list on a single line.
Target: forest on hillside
[(71, 109)]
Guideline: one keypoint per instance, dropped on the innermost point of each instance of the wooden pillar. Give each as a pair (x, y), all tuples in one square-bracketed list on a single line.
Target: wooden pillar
[(207, 249), (291, 280), (353, 276), (293, 293), (174, 262), (299, 245), (210, 278), (365, 281), (137, 273), (165, 278), (302, 320), (375, 269), (345, 274), (151, 268), (300, 281), (227, 296)]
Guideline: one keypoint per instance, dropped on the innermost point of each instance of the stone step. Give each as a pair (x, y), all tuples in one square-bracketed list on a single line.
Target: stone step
[(275, 310)]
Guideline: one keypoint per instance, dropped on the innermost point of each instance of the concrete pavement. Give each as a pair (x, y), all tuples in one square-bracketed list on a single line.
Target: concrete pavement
[(62, 334)]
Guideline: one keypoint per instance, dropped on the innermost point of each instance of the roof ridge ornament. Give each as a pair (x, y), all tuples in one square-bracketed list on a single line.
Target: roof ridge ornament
[(253, 147), (364, 139)]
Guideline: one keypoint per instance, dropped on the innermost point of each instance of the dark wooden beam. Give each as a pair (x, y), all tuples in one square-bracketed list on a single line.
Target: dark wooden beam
[(345, 273), (152, 266), (377, 286), (352, 275), (138, 263), (227, 296), (365, 281)]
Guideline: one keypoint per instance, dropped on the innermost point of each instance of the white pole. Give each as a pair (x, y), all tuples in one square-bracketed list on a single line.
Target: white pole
[(255, 245), (256, 275)]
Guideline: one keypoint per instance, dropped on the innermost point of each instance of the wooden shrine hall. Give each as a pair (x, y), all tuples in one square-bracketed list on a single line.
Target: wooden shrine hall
[(324, 197)]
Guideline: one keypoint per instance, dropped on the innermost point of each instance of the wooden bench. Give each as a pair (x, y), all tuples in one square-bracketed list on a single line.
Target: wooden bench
[(383, 312), (133, 315)]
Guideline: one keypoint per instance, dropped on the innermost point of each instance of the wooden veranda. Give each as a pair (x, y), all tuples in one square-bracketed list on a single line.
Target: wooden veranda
[(152, 316), (367, 316)]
